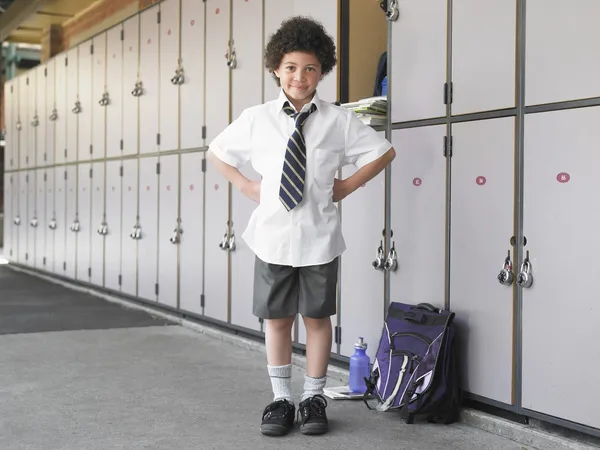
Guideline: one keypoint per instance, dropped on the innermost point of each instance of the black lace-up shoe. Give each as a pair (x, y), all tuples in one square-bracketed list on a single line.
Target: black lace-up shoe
[(312, 417), (278, 418)]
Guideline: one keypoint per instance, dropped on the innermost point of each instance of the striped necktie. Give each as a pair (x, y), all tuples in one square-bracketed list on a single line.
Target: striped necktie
[(294, 164)]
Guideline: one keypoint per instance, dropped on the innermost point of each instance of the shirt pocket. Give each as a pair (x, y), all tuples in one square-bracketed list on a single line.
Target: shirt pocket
[(326, 163)]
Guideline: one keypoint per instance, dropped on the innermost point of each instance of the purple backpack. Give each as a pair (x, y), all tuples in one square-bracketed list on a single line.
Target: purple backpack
[(415, 368)]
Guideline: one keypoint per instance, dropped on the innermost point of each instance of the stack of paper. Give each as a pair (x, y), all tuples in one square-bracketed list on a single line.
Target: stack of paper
[(343, 393), (372, 110)]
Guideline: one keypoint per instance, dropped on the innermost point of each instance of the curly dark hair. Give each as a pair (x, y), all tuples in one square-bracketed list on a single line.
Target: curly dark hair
[(300, 34)]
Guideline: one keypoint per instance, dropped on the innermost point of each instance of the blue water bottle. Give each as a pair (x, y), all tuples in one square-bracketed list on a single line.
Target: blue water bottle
[(360, 367)]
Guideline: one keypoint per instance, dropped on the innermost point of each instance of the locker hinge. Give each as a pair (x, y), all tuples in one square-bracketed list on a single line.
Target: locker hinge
[(45, 71), (448, 146), (120, 280), (448, 93), (121, 170), (158, 17), (91, 173), (65, 153), (202, 301), (156, 288), (66, 61), (27, 81), (157, 138), (27, 160), (158, 168), (27, 178), (121, 144), (204, 165), (45, 179), (65, 174), (65, 265), (92, 49), (122, 35), (90, 272), (203, 131), (26, 256), (45, 157), (91, 149), (44, 260), (11, 89), (338, 335)]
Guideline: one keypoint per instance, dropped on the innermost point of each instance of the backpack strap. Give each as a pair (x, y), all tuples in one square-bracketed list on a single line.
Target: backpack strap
[(371, 386)]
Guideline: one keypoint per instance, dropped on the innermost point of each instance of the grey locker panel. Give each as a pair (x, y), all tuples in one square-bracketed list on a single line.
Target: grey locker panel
[(31, 217), (118, 232), (84, 76), (62, 109), (97, 245), (24, 218), (148, 244), (50, 217), (191, 250), (217, 72), (168, 214), (72, 89), (23, 122), (71, 216), (275, 12), (50, 90), (40, 116), (149, 100), (482, 225), (98, 89), (561, 50), (41, 230), (84, 213), (62, 227), (247, 78), (8, 216), (131, 51), (418, 189), (169, 63), (119, 84), (363, 215), (483, 55), (560, 310), (418, 64), (216, 274), (242, 258), (192, 60)]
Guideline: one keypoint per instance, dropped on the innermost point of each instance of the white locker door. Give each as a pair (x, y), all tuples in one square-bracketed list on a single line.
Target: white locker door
[(561, 51), (129, 245), (276, 12), (192, 62), (247, 78), (217, 72), (50, 220), (24, 218), (168, 214), (31, 217), (8, 215), (169, 60), (418, 60), (560, 309), (71, 217), (362, 309), (72, 99), (242, 258), (148, 243), (191, 250), (482, 225), (48, 117), (62, 109), (215, 223), (98, 90), (24, 124), (60, 216), (477, 27), (119, 84), (85, 75), (41, 116), (149, 100), (41, 230), (84, 235), (131, 76), (119, 232), (418, 213), (97, 249)]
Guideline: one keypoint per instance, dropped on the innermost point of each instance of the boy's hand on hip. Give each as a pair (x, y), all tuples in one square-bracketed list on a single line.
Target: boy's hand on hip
[(252, 190), (341, 189)]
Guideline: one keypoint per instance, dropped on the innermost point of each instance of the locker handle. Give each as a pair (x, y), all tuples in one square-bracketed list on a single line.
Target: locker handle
[(176, 237), (392, 12), (103, 230), (391, 263), (17, 220), (175, 79), (379, 262), (138, 90), (52, 225), (54, 115), (77, 108), (35, 122), (19, 125), (34, 222), (75, 227), (104, 101), (181, 77), (231, 58), (224, 245), (231, 243)]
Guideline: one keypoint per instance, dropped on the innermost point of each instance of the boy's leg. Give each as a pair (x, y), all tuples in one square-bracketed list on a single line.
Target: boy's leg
[(278, 340), (318, 351)]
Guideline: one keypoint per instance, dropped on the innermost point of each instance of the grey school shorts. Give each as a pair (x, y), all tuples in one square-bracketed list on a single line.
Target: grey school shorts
[(284, 291)]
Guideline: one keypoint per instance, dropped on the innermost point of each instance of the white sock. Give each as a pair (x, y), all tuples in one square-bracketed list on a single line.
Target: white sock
[(313, 386), (281, 381)]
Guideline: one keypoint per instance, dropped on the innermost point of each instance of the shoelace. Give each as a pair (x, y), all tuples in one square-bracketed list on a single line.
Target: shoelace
[(314, 406), (281, 406)]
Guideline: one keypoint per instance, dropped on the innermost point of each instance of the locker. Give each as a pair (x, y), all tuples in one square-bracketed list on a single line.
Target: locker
[(84, 212), (50, 220), (560, 309), (60, 220), (40, 116), (482, 225), (169, 66), (98, 132), (191, 250), (216, 233), (84, 75), (72, 222), (168, 217), (97, 224), (192, 62), (148, 242), (73, 101), (149, 66), (10, 141), (418, 64), (23, 122), (60, 148), (31, 217), (48, 117), (129, 245), (217, 72), (40, 223), (242, 258), (8, 216), (131, 76), (29, 123), (118, 231), (363, 215), (483, 54), (16, 213), (560, 48), (119, 84), (276, 12), (23, 218), (418, 189), (247, 78)]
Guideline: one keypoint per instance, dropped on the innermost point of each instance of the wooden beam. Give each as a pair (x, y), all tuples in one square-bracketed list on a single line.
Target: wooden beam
[(16, 14)]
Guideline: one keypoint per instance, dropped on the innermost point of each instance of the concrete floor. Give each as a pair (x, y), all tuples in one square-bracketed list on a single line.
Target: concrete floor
[(164, 387)]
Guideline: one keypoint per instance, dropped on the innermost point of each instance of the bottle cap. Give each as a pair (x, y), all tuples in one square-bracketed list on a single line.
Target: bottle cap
[(360, 344)]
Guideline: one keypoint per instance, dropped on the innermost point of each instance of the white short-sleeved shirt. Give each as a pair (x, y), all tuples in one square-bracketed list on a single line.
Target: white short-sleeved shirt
[(309, 234)]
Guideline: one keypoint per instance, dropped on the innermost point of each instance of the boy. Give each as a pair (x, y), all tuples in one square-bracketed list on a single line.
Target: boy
[(297, 143)]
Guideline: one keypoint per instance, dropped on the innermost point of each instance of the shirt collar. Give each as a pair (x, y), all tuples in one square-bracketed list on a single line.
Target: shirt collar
[(283, 98)]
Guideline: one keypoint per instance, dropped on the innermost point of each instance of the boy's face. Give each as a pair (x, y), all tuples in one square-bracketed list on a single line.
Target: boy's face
[(299, 74)]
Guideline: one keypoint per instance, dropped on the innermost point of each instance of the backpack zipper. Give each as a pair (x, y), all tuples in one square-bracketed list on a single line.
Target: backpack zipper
[(415, 335)]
